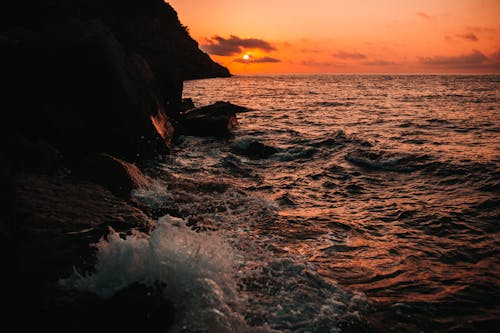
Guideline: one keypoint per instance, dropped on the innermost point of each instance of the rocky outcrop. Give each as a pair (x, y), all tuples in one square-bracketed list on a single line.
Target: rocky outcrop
[(116, 175), (55, 222), (218, 119), (147, 27), (136, 308), (87, 86), (21, 154), (74, 86)]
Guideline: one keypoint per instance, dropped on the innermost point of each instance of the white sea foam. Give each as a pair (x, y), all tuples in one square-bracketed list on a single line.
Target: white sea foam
[(197, 268), (155, 195)]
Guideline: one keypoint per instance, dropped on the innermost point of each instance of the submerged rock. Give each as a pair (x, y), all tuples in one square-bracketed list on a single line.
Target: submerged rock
[(218, 119), (253, 149)]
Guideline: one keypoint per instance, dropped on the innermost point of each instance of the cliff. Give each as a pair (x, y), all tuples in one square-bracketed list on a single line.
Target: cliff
[(150, 28), (87, 86)]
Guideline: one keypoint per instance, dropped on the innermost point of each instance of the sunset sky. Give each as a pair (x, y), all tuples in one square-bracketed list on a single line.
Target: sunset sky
[(355, 36)]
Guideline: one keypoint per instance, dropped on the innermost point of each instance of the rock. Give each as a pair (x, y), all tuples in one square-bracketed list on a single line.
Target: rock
[(23, 155), (74, 86), (56, 221), (187, 104), (152, 28), (7, 211), (116, 175), (218, 119), (136, 308), (252, 148), (147, 27)]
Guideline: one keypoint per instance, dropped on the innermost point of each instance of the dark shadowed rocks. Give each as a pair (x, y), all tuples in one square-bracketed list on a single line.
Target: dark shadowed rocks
[(54, 224), (218, 119), (74, 86), (21, 154), (136, 308), (116, 175), (82, 78), (187, 104), (147, 27)]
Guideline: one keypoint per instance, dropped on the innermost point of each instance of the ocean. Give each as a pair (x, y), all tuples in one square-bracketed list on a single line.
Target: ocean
[(377, 208)]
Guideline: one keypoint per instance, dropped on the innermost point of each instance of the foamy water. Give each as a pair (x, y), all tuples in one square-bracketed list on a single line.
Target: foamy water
[(381, 201)]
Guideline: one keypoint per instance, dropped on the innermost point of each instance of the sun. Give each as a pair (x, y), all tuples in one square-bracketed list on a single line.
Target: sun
[(246, 57)]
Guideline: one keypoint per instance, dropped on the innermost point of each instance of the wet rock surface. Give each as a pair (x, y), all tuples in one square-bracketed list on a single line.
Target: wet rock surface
[(218, 119)]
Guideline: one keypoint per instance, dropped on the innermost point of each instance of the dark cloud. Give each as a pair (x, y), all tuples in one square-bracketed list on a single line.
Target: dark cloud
[(473, 59), (380, 63), (481, 29), (468, 36), (425, 16), (349, 55), (221, 46), (495, 56), (316, 63), (261, 60), (311, 51)]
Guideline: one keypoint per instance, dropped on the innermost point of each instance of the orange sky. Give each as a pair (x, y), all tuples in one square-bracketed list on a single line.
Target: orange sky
[(340, 36)]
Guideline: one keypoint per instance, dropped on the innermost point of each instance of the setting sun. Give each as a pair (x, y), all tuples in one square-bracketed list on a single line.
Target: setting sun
[(246, 57)]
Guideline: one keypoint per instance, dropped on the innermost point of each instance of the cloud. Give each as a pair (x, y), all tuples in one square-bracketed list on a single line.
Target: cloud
[(317, 63), (495, 56), (425, 16), (259, 60), (468, 36), (477, 29), (380, 63), (349, 55), (473, 59), (221, 46), (311, 51)]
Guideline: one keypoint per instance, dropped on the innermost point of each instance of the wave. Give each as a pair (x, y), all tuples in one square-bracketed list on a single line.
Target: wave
[(330, 104), (295, 153), (382, 160), (197, 269), (483, 175)]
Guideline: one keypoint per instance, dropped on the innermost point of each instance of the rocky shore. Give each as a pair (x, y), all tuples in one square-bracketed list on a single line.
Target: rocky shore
[(91, 89)]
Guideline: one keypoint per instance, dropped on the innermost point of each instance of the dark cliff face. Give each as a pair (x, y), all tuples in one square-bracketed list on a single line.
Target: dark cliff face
[(92, 76), (150, 28)]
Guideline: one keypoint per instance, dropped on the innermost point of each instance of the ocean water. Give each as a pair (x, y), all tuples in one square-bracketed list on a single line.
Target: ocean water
[(379, 209)]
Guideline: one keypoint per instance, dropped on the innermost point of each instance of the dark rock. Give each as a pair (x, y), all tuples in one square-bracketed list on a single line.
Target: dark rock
[(218, 119), (147, 27), (253, 149), (23, 155), (57, 219), (234, 165), (116, 175), (56, 222), (187, 104), (7, 211), (136, 308), (74, 86), (141, 308)]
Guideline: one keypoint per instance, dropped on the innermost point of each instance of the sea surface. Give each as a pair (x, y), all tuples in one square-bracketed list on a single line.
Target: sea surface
[(379, 208)]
